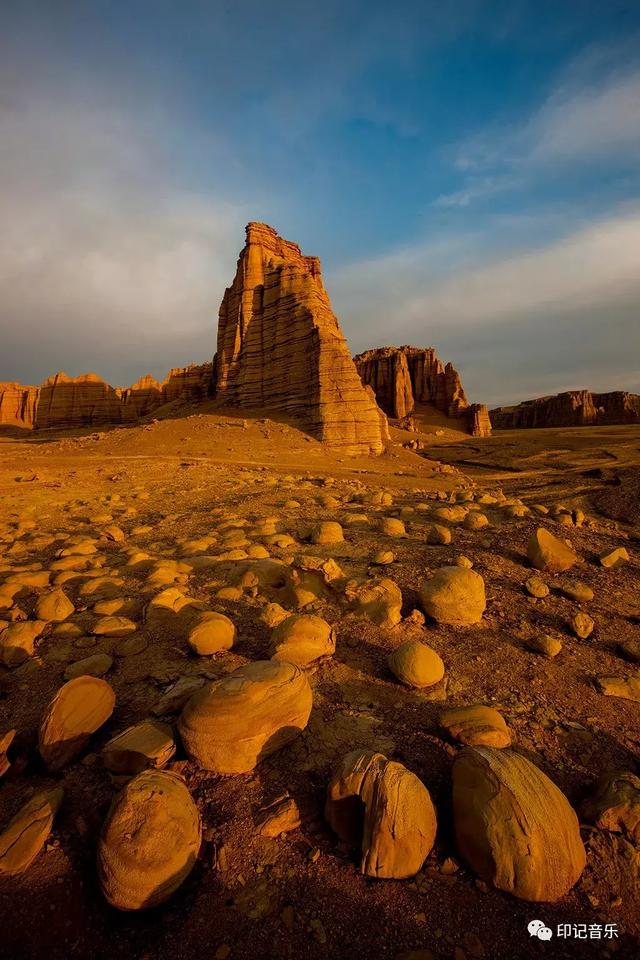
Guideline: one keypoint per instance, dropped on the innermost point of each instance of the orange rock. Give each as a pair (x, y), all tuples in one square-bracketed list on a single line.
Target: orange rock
[(280, 346), (24, 837), (149, 842), (513, 826), (399, 825), (78, 709), (575, 408), (232, 724)]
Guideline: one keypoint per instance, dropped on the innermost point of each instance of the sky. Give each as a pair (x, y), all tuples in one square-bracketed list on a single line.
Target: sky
[(468, 173)]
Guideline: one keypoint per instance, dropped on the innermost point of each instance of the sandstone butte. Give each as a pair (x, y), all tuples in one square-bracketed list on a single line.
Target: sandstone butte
[(575, 408), (280, 346), (404, 377)]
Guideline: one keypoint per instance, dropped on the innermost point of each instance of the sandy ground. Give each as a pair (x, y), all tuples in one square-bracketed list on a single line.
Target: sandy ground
[(168, 483)]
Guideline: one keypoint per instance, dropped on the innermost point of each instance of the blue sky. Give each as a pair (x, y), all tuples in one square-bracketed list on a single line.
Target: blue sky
[(468, 173)]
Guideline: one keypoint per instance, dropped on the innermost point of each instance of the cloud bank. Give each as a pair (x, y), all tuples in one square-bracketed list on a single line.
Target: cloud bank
[(107, 261)]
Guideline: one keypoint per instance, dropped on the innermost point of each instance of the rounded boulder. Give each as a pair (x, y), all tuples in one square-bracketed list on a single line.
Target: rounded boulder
[(513, 826), (303, 638), (230, 725), (416, 665), (149, 841), (454, 595)]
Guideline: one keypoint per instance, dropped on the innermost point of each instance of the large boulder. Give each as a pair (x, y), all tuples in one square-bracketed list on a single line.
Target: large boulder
[(513, 826), (381, 807), (416, 665), (231, 724), (454, 595), (24, 836), (78, 709), (149, 842), (17, 641), (303, 638), (546, 552)]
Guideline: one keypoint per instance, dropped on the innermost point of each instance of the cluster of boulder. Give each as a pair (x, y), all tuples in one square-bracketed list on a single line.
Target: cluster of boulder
[(512, 825)]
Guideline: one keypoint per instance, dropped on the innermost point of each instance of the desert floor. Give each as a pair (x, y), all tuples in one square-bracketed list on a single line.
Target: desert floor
[(196, 485)]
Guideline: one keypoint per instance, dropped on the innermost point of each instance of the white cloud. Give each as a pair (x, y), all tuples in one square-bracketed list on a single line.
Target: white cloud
[(106, 260), (515, 324), (585, 124)]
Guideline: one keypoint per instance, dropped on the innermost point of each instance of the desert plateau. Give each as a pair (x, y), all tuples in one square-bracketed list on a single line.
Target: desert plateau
[(319, 481)]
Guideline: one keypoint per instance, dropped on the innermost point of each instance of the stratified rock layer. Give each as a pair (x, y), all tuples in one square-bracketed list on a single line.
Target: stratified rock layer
[(383, 808), (280, 346), (18, 404), (402, 377), (513, 826), (64, 402), (575, 408)]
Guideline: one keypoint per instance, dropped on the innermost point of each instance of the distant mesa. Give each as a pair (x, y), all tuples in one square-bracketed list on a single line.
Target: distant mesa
[(402, 377), (279, 348), (64, 402), (574, 408)]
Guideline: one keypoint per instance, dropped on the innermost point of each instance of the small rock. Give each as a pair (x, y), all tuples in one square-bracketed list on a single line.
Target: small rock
[(438, 535), (278, 817), (25, 835), (476, 725), (94, 666), (54, 607), (545, 644), (614, 558), (210, 633), (536, 587), (627, 688), (303, 638), (146, 744), (582, 625), (546, 552), (578, 591), (454, 595)]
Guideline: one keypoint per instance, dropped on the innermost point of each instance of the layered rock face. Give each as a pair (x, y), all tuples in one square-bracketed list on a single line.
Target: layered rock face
[(401, 377), (280, 346), (575, 408), (478, 420), (64, 402), (18, 404)]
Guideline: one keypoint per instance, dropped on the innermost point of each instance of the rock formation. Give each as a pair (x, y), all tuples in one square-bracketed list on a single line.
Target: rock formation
[(381, 807), (575, 408), (64, 402), (18, 404), (402, 377), (280, 346), (478, 420)]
